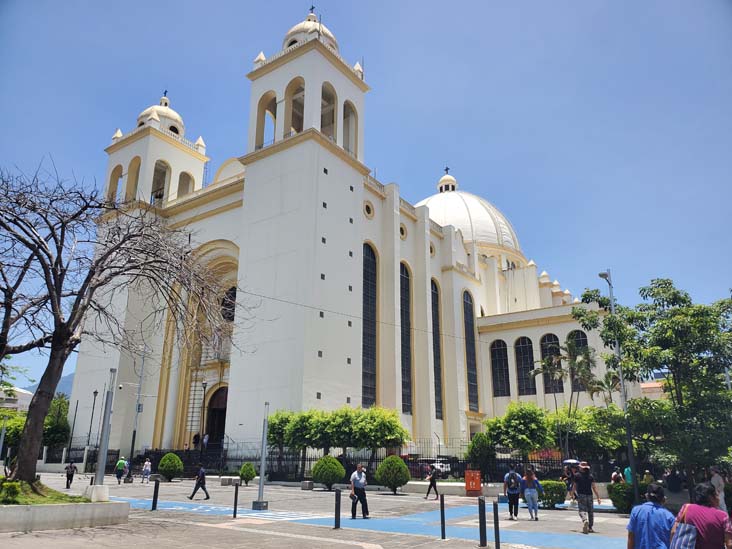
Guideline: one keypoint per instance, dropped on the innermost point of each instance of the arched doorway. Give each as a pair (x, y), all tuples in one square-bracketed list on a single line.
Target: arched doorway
[(216, 417)]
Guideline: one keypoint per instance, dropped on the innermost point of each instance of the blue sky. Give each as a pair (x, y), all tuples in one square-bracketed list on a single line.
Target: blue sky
[(602, 129)]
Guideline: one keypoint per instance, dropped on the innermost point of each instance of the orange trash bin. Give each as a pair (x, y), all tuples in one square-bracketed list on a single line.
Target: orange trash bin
[(473, 486)]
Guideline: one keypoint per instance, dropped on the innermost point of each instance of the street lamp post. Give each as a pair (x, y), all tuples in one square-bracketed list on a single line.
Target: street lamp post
[(91, 420), (106, 428), (138, 409), (606, 276), (203, 417)]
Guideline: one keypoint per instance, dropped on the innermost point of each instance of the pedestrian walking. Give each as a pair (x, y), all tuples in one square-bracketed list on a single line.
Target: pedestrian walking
[(119, 469), (205, 441), (358, 492), (583, 487), (200, 482), (628, 474), (531, 488), (433, 475), (146, 470), (512, 490), (70, 470), (196, 440), (717, 481), (650, 524), (710, 527)]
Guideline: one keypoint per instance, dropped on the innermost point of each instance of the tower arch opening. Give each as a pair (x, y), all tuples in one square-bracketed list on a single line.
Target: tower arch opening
[(328, 111), (161, 178), (294, 106), (114, 183), (216, 417), (266, 119), (185, 184), (133, 177), (350, 128)]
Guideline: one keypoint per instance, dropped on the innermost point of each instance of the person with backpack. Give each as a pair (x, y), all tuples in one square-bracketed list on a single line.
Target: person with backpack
[(650, 523), (434, 474), (512, 489), (531, 488), (702, 525)]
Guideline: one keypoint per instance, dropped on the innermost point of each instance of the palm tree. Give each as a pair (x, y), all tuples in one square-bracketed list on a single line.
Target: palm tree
[(607, 385)]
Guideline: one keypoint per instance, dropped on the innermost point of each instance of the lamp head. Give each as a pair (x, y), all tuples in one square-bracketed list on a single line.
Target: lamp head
[(95, 393), (204, 384), (604, 275)]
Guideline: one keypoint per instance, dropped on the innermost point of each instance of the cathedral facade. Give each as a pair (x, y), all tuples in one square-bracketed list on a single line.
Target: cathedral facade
[(364, 299)]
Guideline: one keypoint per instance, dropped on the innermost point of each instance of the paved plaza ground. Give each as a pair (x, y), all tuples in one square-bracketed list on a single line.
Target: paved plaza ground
[(305, 519)]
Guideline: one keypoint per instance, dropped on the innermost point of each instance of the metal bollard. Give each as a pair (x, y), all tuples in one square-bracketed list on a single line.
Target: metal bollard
[(496, 527), (155, 496), (337, 509), (481, 522), (236, 497), (442, 516), (91, 481)]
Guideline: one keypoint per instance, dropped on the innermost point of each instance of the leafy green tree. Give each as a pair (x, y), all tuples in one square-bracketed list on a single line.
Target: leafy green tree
[(341, 427), (277, 432), (321, 434), (481, 453), (691, 344), (247, 473), (328, 470), (590, 432), (376, 428), (298, 434), (170, 466), (524, 427), (393, 473)]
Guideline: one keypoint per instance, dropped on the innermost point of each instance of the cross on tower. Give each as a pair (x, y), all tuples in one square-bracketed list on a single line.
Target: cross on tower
[(447, 170), (165, 93), (312, 9)]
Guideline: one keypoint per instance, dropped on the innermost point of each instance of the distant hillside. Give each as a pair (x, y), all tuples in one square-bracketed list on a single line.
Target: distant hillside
[(64, 385)]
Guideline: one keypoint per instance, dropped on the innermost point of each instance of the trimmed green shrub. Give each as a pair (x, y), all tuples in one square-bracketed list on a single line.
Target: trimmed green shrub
[(328, 470), (170, 466), (10, 492), (554, 493), (247, 473), (393, 473), (622, 495)]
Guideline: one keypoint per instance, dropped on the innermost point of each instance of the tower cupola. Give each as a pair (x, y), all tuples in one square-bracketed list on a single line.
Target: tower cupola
[(163, 117), (307, 30)]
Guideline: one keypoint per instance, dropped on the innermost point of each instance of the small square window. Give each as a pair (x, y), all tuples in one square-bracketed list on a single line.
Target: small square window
[(322, 276), (348, 400), (325, 204), (351, 188), (350, 220), (320, 354), (350, 288), (350, 323), (322, 239), (350, 253), (348, 360), (325, 171), (317, 395), (322, 314)]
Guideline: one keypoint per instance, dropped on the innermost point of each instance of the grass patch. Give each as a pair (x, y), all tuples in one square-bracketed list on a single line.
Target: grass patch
[(40, 494)]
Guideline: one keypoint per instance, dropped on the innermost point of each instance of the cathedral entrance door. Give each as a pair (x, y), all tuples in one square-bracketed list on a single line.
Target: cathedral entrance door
[(216, 417)]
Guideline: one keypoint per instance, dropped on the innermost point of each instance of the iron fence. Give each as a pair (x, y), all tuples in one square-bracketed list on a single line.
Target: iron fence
[(91, 461), (54, 454)]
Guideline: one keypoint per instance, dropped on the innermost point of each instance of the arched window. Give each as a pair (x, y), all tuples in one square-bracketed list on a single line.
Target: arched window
[(471, 366), (405, 300), (185, 184), (369, 328), (266, 119), (350, 128), (549, 345), (174, 129), (328, 114), (524, 364), (161, 176), (228, 305), (437, 349), (499, 369), (579, 338), (133, 176), (294, 106), (114, 180)]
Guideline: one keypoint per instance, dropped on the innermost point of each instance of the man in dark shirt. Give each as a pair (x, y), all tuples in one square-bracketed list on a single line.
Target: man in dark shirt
[(583, 487), (70, 471), (200, 482)]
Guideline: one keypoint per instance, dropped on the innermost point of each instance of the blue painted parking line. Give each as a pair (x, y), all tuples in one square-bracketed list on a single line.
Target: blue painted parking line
[(216, 510), (428, 524)]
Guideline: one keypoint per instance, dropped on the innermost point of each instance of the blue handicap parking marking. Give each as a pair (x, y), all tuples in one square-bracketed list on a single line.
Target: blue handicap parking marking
[(428, 524)]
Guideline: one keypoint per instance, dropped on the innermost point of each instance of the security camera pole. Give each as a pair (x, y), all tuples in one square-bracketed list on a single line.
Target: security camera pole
[(106, 428)]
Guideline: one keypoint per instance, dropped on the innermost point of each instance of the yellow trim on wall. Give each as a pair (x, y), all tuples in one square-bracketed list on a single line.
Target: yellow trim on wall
[(164, 383), (207, 214), (202, 197), (302, 50), (461, 273), (529, 322), (149, 130)]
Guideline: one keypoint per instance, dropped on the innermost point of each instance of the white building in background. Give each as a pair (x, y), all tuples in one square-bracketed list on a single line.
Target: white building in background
[(432, 309), (18, 401)]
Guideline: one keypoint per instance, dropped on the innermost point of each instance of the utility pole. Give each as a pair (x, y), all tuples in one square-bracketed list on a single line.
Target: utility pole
[(91, 420), (138, 409), (260, 504), (73, 427), (106, 428)]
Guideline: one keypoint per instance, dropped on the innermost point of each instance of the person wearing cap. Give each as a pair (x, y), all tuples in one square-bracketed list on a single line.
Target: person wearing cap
[(583, 487), (718, 482), (650, 524)]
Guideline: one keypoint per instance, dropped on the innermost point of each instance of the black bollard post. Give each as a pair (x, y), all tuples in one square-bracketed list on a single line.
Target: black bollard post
[(236, 497), (496, 527), (155, 495), (337, 509), (442, 516), (91, 481), (481, 522)]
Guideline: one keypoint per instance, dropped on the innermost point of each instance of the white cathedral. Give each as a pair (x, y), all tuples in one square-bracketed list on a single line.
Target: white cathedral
[(431, 309)]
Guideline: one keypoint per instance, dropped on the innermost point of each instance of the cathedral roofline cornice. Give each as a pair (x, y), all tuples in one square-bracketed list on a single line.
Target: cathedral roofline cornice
[(301, 49)]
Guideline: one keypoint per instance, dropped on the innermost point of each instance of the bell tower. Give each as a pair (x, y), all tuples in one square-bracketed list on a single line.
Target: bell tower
[(307, 85)]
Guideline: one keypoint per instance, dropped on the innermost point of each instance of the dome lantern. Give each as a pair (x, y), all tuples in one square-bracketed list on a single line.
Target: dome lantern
[(168, 119), (307, 30)]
